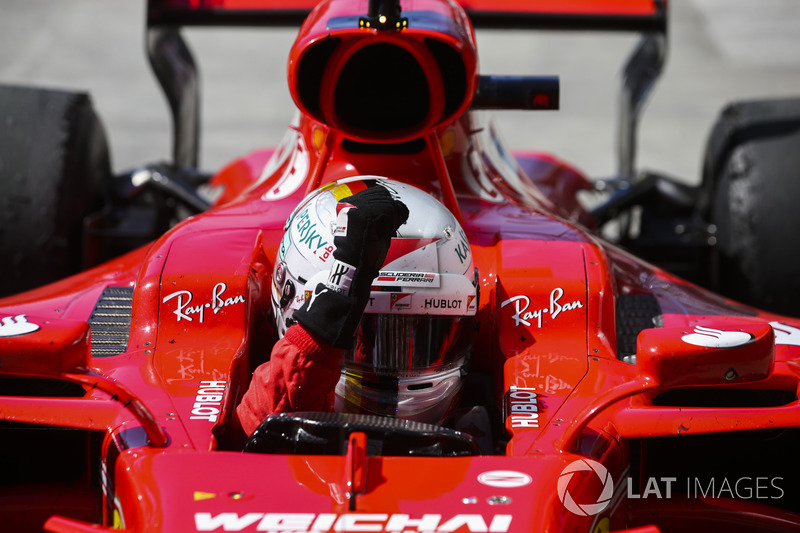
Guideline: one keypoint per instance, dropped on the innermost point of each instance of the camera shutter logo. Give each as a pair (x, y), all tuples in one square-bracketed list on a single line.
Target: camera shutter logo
[(585, 509)]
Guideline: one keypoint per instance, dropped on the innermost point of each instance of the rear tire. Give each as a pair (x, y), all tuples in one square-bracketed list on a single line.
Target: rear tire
[(54, 165), (753, 182)]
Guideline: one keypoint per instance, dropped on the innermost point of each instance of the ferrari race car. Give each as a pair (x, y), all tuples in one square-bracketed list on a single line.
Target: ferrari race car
[(635, 361)]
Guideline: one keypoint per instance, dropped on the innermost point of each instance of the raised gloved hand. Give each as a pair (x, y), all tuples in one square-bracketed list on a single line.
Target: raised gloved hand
[(366, 223)]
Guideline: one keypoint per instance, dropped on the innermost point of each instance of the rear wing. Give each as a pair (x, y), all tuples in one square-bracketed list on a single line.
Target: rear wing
[(175, 69), (579, 15)]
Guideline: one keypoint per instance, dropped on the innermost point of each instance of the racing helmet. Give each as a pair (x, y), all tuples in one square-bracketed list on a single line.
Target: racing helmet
[(413, 343)]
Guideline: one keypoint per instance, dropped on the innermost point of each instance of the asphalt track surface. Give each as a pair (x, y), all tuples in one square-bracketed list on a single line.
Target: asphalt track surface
[(719, 51)]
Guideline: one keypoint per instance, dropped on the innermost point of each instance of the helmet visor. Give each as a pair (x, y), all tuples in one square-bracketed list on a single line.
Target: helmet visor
[(407, 366), (403, 345)]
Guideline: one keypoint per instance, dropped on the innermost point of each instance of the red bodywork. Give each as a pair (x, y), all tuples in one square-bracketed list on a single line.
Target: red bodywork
[(550, 303)]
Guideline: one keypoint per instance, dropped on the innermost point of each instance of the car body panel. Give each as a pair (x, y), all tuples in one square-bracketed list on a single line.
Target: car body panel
[(554, 324)]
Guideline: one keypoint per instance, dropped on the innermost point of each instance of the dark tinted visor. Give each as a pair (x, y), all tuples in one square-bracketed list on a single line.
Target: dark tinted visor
[(400, 344)]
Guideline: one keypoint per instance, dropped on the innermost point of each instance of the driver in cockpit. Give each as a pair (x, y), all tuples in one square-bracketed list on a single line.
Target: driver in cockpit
[(374, 292)]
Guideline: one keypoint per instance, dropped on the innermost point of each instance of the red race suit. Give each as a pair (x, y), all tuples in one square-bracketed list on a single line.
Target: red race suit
[(301, 375)]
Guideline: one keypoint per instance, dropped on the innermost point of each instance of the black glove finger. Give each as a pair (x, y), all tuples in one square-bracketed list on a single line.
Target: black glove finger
[(375, 202), (371, 222)]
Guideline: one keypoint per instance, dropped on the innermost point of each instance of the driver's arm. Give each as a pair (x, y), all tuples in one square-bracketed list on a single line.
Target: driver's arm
[(300, 376)]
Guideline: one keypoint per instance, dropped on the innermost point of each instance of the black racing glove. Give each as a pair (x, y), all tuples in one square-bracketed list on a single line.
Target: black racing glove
[(366, 223)]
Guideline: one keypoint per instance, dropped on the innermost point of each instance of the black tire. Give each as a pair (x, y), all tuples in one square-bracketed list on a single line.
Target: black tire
[(752, 177), (54, 164)]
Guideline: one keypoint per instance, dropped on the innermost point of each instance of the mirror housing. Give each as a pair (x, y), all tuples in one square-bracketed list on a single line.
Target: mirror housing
[(40, 347), (705, 355), (725, 353)]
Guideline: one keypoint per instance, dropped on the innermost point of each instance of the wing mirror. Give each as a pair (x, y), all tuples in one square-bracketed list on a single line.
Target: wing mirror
[(59, 349), (32, 346), (705, 355)]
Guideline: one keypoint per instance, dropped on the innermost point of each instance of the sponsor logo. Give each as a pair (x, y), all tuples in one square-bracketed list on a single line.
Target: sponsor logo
[(311, 296), (442, 303), (340, 277), (400, 300), (462, 247), (340, 228), (309, 234), (185, 311), (325, 254), (504, 479), (354, 522), (208, 401), (557, 306), (408, 278), (585, 465), (717, 338), (522, 406), (14, 326)]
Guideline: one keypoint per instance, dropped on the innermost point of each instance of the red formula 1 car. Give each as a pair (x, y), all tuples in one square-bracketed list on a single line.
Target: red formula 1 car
[(614, 395)]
